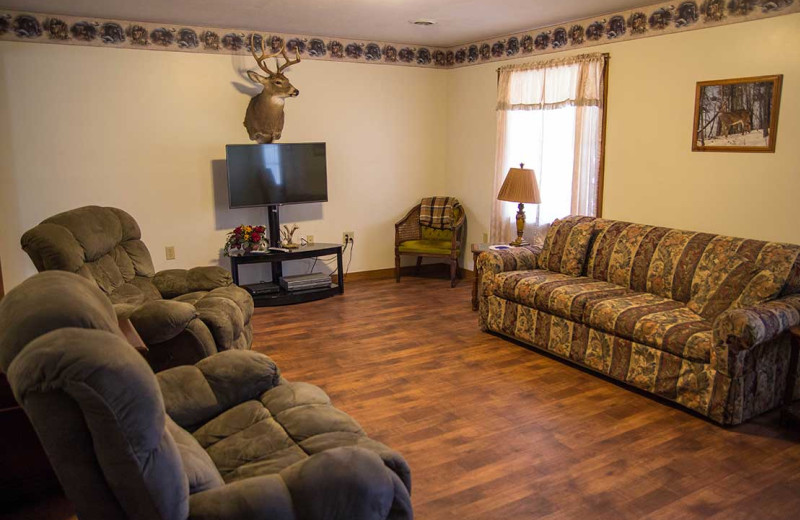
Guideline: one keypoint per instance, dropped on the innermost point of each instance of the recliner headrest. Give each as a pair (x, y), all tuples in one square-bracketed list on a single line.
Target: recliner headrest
[(49, 301)]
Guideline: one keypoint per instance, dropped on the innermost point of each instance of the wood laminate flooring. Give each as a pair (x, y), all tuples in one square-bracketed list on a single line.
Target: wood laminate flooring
[(493, 430)]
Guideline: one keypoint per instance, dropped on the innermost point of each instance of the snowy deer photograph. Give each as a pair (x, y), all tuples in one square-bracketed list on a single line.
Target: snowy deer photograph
[(737, 115)]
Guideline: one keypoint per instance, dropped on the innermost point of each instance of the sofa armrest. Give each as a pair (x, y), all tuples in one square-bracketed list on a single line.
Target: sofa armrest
[(491, 263), (345, 482), (738, 331), (193, 394), (515, 259), (175, 282)]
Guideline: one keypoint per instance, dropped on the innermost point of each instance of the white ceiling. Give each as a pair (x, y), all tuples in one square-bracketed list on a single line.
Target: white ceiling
[(459, 21)]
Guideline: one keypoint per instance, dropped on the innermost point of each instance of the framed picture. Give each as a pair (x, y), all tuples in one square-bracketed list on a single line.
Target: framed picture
[(737, 115)]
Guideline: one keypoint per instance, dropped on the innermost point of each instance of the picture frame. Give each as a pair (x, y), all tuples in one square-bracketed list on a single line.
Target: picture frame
[(737, 115)]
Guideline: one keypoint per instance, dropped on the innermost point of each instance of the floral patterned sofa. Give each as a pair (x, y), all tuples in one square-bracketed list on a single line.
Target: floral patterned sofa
[(696, 318)]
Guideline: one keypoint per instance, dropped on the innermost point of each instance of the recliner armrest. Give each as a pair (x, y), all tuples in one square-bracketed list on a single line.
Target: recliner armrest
[(193, 394), (175, 282), (346, 482), (157, 321)]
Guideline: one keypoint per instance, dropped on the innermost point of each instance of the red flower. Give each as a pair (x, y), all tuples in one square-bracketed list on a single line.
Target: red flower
[(255, 237), (238, 230)]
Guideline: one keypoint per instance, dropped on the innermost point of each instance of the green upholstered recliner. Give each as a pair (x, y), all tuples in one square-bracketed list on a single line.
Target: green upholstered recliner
[(182, 315), (225, 439), (411, 238)]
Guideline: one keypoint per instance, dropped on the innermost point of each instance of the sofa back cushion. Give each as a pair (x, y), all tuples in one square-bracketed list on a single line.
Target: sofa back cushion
[(700, 269), (101, 244), (735, 273), (566, 244)]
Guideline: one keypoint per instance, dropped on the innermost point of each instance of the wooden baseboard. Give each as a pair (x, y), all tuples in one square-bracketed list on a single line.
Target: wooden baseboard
[(408, 270)]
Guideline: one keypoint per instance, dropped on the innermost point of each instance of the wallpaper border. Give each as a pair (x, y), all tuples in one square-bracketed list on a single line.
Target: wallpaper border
[(654, 20)]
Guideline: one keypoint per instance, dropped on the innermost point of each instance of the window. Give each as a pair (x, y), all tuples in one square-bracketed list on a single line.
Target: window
[(550, 117)]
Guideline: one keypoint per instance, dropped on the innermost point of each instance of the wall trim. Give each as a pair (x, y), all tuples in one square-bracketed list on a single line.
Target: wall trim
[(125, 34), (644, 22), (654, 20), (426, 271)]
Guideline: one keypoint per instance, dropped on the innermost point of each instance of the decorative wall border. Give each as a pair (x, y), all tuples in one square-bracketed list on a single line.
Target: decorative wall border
[(97, 32), (654, 20)]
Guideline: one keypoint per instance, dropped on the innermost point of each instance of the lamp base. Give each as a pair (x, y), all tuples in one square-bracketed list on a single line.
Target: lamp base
[(520, 228)]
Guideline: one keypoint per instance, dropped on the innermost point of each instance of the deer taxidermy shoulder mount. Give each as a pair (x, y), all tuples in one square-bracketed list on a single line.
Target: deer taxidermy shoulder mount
[(264, 116)]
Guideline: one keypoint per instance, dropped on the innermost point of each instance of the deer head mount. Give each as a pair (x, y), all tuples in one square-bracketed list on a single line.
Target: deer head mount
[(264, 116)]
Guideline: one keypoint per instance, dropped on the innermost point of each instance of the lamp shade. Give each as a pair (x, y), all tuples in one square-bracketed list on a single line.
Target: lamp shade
[(520, 186)]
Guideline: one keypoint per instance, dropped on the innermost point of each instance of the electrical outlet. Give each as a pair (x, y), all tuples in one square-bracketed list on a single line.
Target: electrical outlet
[(348, 237), (170, 250), (309, 239), (486, 238)]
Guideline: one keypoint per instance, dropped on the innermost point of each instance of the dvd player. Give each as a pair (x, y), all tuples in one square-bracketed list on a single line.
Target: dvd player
[(257, 289), (306, 281)]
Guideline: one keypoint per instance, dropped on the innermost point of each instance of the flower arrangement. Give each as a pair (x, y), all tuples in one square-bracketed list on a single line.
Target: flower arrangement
[(245, 239)]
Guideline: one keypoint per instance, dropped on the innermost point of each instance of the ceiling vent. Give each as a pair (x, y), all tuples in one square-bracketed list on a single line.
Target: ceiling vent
[(423, 22)]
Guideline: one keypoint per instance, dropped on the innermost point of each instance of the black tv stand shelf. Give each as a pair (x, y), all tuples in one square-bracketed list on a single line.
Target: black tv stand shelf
[(276, 259)]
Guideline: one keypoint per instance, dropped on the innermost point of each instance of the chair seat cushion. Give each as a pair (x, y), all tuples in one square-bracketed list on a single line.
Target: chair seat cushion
[(645, 318), (289, 423), (442, 247)]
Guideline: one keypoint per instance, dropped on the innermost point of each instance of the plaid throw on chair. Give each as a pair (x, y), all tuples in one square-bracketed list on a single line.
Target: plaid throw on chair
[(437, 212)]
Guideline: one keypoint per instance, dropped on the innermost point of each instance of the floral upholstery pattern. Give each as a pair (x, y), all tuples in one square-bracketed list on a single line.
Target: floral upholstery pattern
[(565, 241), (697, 318), (646, 318)]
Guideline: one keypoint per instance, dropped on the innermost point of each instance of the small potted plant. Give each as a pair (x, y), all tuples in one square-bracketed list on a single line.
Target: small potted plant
[(245, 239)]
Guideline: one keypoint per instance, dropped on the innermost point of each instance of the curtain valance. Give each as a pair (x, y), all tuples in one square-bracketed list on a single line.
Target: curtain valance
[(552, 84)]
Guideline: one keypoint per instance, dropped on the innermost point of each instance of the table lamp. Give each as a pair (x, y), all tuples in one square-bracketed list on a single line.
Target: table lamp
[(520, 186)]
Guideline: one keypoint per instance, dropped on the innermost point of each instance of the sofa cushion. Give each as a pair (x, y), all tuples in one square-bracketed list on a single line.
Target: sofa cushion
[(574, 257), (563, 251), (641, 317), (645, 258), (735, 273), (715, 288), (668, 262), (654, 321), (560, 294)]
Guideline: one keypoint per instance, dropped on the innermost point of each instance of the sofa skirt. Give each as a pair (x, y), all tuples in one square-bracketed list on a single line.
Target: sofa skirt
[(695, 385)]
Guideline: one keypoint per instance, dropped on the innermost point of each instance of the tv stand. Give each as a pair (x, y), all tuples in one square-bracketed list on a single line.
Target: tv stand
[(276, 259)]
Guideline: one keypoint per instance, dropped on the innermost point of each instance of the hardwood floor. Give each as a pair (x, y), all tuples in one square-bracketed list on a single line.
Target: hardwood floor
[(493, 430)]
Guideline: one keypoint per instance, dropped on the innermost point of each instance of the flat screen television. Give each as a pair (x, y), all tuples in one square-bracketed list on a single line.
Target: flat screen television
[(275, 174)]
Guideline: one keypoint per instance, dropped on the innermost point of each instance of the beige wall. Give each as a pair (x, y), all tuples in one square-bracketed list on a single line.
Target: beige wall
[(145, 131), (652, 176)]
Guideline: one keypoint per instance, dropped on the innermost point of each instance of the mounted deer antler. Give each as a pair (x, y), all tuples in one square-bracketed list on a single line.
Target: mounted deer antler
[(264, 116)]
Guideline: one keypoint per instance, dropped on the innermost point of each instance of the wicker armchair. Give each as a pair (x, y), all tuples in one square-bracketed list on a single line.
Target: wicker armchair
[(411, 238)]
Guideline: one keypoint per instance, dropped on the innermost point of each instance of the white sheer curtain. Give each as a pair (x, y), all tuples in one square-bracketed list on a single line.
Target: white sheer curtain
[(549, 116)]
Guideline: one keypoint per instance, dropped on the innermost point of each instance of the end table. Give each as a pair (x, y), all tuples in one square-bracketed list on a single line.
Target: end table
[(477, 249)]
